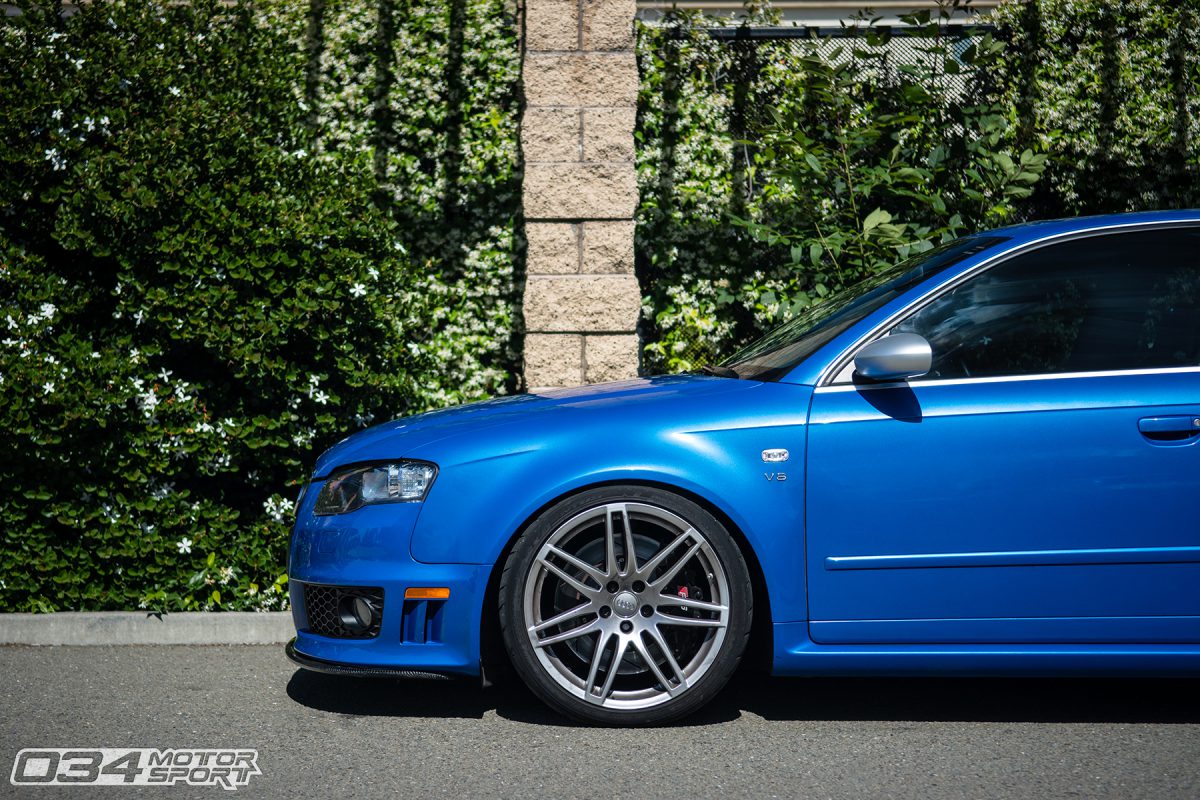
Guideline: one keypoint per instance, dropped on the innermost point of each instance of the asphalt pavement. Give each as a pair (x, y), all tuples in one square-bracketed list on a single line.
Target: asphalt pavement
[(325, 736)]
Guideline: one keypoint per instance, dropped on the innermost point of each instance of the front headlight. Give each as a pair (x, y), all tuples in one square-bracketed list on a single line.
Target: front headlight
[(351, 488)]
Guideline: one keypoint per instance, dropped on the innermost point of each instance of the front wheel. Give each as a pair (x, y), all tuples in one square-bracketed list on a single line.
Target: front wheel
[(625, 605)]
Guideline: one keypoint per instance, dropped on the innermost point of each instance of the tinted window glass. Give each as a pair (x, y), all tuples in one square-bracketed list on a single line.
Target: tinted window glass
[(1113, 302), (776, 354)]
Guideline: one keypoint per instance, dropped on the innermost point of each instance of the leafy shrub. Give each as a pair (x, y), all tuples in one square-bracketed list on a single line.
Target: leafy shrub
[(774, 173), (199, 294), (1111, 91)]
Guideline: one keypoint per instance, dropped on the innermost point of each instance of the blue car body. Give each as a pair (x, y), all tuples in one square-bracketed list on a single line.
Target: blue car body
[(990, 526)]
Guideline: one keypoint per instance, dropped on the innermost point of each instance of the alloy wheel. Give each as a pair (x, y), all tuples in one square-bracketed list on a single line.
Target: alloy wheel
[(626, 605)]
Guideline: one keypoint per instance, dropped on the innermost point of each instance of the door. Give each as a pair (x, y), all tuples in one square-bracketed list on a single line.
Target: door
[(1042, 482)]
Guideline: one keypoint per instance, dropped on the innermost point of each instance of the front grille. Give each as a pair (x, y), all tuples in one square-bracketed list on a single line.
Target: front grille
[(329, 610)]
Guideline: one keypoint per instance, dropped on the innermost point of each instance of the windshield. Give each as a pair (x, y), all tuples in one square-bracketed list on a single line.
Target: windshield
[(777, 353)]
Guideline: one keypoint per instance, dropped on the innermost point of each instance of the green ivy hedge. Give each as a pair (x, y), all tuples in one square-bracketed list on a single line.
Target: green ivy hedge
[(773, 174), (229, 234)]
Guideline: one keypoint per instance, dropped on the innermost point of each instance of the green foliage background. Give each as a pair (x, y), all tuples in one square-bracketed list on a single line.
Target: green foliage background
[(773, 175), (232, 232), (229, 234)]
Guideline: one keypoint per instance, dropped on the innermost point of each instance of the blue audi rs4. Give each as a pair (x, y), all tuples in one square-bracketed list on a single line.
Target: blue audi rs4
[(984, 461)]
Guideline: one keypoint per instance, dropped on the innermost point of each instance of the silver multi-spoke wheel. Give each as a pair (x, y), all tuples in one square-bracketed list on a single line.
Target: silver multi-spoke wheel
[(626, 606)]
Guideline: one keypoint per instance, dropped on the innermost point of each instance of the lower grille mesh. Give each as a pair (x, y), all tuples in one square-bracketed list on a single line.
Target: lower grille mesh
[(325, 605)]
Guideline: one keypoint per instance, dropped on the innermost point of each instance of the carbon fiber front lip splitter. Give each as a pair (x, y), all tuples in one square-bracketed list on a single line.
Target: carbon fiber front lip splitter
[(330, 668)]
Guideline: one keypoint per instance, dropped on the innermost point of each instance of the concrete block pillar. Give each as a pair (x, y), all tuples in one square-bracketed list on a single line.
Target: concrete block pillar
[(581, 296)]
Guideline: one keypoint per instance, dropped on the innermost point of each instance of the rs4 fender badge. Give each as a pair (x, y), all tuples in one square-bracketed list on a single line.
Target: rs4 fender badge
[(775, 455)]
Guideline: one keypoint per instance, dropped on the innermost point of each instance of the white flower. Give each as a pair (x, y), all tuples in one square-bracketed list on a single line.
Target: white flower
[(321, 398), (104, 120), (55, 159), (78, 62), (174, 90), (48, 310), (57, 113), (277, 508), (226, 575), (184, 545), (89, 123), (374, 273), (47, 387), (358, 290)]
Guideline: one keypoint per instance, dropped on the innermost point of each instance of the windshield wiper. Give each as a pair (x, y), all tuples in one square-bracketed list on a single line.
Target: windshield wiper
[(720, 372)]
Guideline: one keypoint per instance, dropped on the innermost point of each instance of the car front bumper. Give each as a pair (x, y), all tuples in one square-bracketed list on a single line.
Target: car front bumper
[(370, 548)]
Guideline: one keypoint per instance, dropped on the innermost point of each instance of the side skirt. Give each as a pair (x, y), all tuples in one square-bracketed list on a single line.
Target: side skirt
[(796, 654)]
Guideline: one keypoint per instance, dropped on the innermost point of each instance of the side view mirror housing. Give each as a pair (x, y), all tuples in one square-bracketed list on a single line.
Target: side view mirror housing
[(894, 358)]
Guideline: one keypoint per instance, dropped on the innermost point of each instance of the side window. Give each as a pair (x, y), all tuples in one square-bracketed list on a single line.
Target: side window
[(1112, 302)]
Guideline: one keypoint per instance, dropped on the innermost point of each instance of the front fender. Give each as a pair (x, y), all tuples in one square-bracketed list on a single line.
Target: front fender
[(480, 503)]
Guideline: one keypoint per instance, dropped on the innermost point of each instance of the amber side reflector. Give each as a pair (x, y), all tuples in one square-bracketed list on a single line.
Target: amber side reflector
[(427, 593)]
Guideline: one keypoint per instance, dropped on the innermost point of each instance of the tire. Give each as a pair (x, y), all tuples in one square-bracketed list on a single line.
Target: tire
[(678, 615)]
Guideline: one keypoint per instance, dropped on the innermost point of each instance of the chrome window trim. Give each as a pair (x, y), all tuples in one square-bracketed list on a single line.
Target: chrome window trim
[(1046, 376), (835, 367)]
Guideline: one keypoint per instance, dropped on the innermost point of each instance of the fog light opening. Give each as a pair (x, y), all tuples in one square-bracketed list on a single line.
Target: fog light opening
[(357, 613)]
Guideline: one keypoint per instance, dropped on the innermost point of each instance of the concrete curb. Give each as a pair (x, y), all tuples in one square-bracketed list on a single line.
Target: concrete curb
[(138, 627)]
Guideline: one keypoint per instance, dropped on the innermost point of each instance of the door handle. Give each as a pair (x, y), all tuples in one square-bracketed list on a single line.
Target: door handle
[(1170, 430)]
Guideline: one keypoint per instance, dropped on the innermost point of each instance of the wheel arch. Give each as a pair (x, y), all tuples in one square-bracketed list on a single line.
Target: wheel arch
[(758, 655)]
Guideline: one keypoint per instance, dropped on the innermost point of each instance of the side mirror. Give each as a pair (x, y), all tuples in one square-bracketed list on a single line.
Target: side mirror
[(894, 358)]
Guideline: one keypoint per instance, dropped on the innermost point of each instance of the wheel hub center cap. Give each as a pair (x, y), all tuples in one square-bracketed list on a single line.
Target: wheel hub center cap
[(625, 604)]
